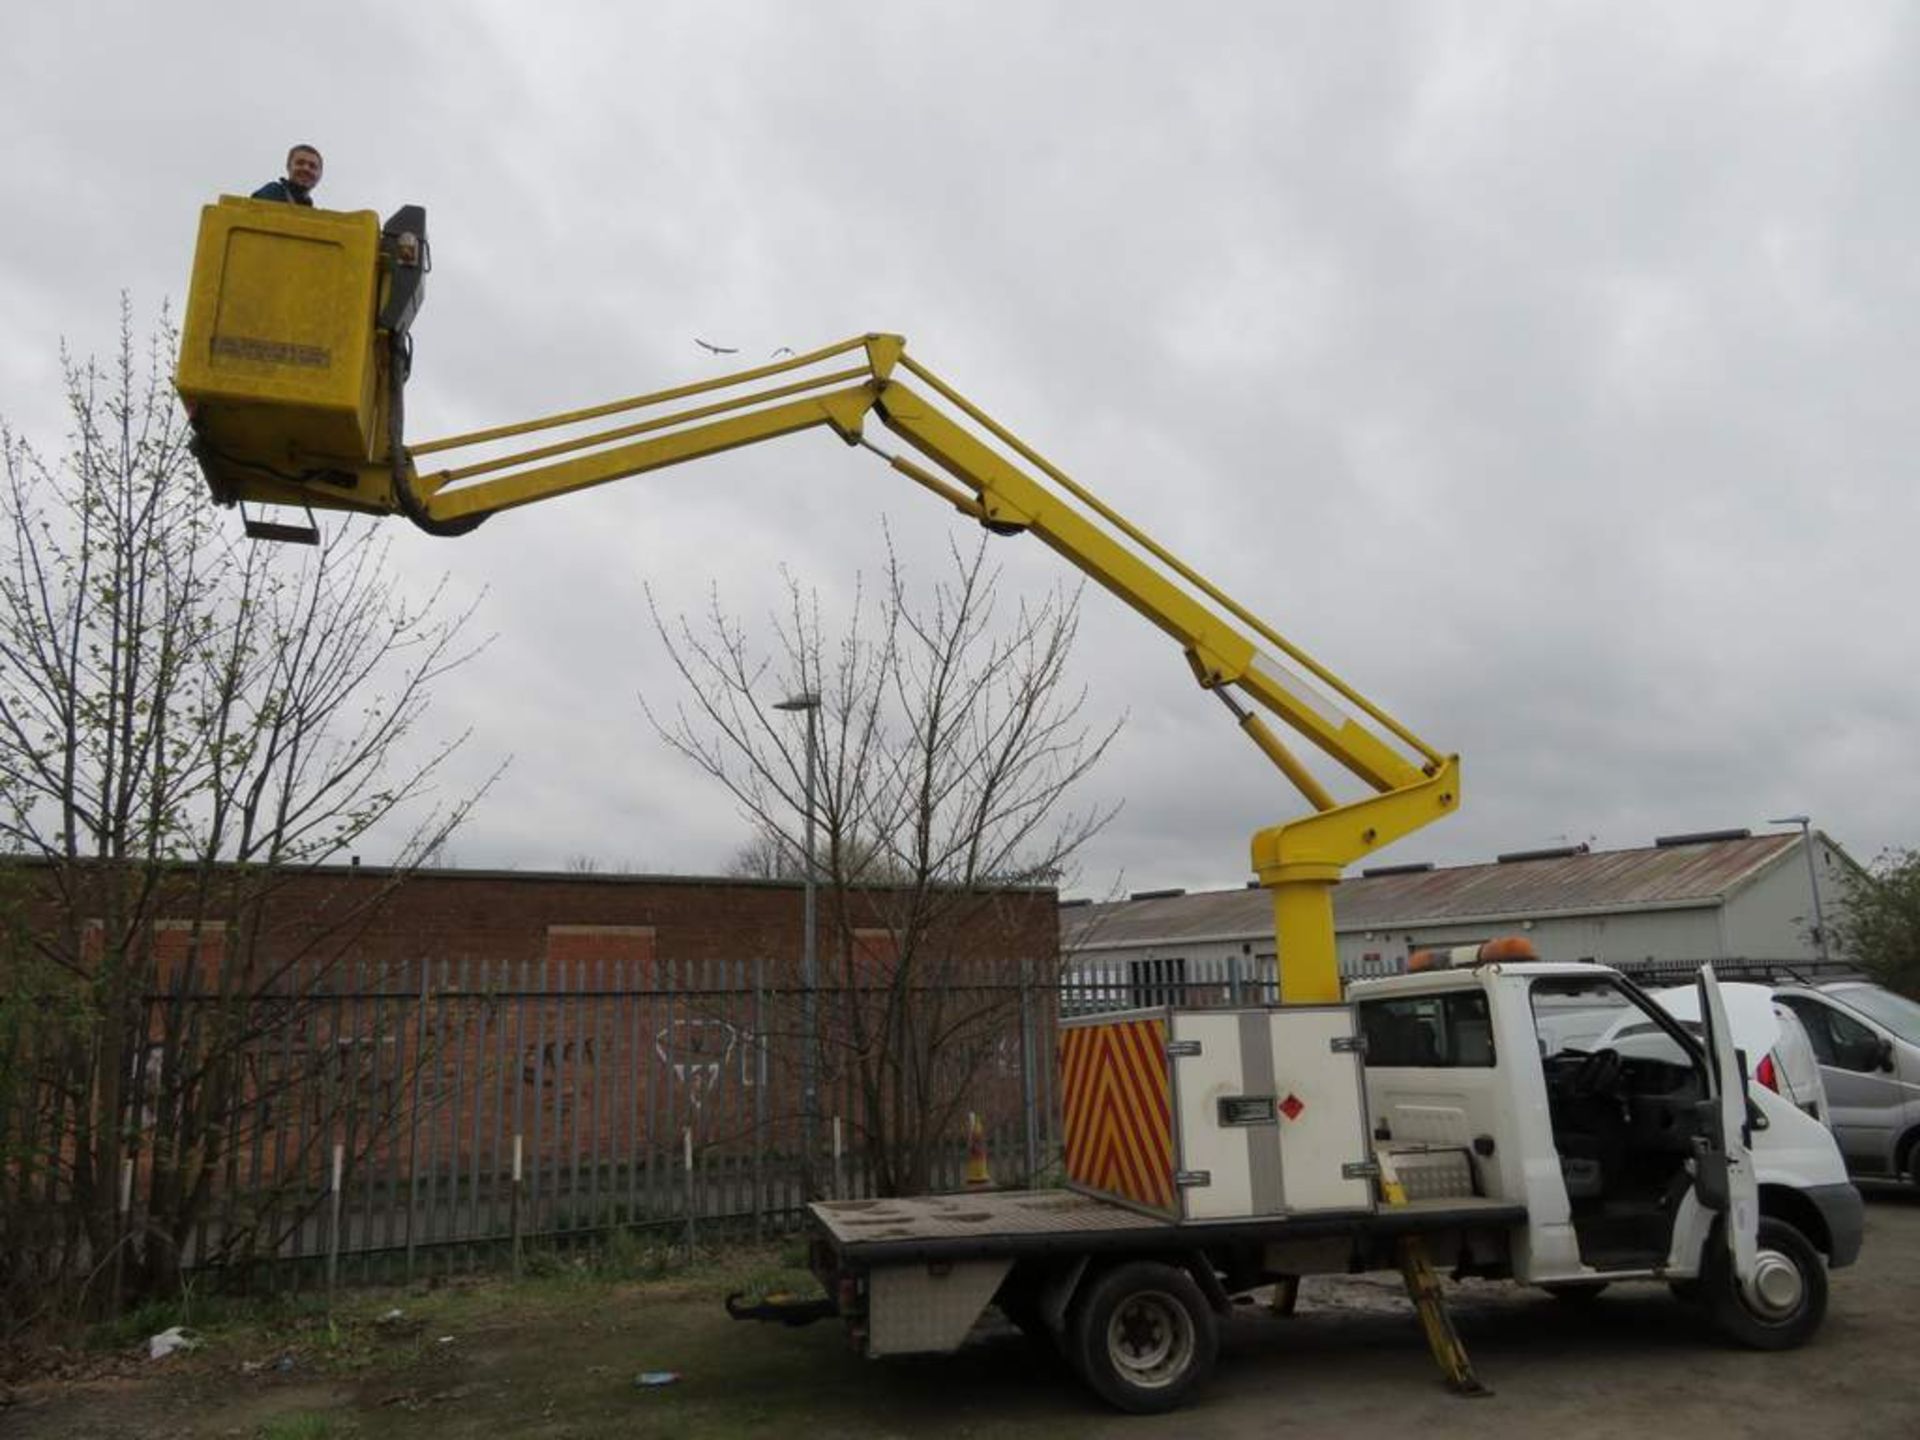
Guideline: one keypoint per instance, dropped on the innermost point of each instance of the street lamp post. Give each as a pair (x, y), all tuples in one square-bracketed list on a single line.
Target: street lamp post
[(809, 976), (1813, 879)]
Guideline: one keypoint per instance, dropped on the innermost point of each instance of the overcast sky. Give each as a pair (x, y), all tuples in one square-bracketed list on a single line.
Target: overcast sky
[(1547, 370)]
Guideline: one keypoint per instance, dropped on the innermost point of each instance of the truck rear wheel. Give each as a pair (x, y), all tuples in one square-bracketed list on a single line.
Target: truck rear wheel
[(1143, 1337), (1789, 1298)]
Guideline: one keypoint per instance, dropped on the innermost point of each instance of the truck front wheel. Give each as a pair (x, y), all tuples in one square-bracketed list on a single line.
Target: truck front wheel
[(1789, 1294), (1143, 1337)]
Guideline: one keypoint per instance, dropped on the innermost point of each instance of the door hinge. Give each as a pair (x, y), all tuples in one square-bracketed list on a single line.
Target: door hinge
[(1360, 1170), (1182, 1049), (1348, 1045), (1192, 1179)]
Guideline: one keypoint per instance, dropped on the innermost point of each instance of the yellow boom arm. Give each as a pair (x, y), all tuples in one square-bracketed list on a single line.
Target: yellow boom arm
[(293, 361)]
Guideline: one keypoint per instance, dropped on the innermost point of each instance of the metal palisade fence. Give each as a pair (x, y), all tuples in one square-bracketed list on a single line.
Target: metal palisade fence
[(456, 1115), (392, 1126)]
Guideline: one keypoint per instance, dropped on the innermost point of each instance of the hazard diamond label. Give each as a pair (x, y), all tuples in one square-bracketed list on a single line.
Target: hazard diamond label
[(1292, 1106)]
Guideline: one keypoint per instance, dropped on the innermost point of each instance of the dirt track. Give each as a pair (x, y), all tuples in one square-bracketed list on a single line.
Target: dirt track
[(1635, 1364)]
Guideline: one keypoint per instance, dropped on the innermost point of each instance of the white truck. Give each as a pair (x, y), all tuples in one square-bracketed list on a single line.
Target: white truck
[(1569, 1170), (1210, 1153)]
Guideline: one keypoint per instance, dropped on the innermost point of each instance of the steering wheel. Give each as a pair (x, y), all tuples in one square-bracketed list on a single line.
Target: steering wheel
[(1597, 1073)]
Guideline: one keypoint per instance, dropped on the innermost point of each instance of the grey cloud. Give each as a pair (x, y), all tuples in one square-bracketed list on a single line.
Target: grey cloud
[(1545, 370)]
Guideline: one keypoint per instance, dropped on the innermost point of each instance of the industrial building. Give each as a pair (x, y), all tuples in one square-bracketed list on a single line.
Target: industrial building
[(1717, 896)]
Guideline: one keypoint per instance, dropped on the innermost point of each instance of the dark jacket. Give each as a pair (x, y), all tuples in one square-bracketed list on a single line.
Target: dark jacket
[(285, 190)]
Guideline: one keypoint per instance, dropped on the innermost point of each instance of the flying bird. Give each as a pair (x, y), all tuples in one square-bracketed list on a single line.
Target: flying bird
[(716, 349), (783, 350)]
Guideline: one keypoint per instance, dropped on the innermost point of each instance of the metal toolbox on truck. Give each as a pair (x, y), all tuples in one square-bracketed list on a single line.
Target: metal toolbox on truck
[(1217, 1114)]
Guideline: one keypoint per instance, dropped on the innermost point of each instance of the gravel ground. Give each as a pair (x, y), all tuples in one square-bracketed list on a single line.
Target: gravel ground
[(1635, 1363)]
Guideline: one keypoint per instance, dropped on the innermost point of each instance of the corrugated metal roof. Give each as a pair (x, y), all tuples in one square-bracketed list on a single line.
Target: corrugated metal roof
[(1609, 880)]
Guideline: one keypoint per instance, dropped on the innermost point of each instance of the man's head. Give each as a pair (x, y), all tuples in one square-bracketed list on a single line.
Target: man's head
[(304, 166)]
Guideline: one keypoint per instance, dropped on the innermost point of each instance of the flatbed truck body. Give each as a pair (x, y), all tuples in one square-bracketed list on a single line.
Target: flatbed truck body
[(1484, 1152), (915, 1274)]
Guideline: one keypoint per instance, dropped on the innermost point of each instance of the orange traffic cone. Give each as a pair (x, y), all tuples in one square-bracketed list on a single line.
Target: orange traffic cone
[(978, 1177)]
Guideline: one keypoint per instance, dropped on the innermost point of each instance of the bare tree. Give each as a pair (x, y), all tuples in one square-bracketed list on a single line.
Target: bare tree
[(948, 742), (770, 855), (186, 721), (766, 856)]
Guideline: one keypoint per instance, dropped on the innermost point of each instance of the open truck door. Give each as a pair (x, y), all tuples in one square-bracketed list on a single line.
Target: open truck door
[(1723, 1161)]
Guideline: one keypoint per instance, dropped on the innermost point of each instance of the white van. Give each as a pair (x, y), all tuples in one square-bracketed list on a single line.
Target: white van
[(1867, 1040), (1779, 1054)]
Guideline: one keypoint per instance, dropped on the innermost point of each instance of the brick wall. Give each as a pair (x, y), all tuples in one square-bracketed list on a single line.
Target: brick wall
[(506, 915), (623, 999), (438, 916)]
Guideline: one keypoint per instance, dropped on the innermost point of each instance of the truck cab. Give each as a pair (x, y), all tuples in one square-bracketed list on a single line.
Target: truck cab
[(1627, 1158)]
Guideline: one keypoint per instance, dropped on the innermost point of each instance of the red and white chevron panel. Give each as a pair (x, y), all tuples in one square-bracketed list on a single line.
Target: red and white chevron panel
[(1115, 1094)]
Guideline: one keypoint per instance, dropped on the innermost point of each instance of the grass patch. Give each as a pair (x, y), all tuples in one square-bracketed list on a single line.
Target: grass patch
[(208, 1314), (638, 1257), (130, 1329), (626, 1256), (305, 1425), (558, 1354), (391, 1331)]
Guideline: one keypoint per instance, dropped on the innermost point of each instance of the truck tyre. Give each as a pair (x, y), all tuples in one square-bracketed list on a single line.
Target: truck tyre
[(1143, 1337), (1792, 1284)]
